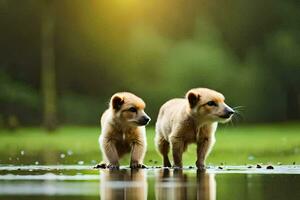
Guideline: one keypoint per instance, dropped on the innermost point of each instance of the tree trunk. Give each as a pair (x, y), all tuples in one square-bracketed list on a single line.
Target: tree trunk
[(48, 66)]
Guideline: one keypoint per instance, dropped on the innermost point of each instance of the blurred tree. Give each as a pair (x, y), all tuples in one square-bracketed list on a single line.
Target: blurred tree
[(48, 66)]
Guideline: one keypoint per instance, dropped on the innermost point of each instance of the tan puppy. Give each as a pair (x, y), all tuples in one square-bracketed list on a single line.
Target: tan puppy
[(123, 130), (190, 120)]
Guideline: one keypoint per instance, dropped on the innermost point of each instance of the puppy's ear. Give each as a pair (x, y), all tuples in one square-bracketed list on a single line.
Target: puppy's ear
[(117, 102), (193, 98)]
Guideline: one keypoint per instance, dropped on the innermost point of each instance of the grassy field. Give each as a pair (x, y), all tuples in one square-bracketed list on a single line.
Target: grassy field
[(70, 145)]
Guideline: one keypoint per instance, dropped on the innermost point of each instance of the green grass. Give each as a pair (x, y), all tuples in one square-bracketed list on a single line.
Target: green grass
[(235, 145)]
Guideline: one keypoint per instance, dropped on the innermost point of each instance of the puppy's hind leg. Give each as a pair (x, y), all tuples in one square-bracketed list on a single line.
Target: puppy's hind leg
[(177, 150), (163, 147)]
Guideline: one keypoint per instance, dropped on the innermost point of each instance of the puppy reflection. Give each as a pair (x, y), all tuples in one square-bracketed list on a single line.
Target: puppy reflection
[(123, 184), (176, 184)]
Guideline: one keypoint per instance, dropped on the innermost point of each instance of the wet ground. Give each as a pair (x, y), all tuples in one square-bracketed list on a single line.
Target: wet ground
[(84, 182)]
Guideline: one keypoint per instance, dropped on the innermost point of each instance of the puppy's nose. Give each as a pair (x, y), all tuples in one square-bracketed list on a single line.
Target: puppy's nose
[(146, 119), (230, 112)]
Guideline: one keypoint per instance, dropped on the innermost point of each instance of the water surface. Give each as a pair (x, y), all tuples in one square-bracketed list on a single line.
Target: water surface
[(83, 182)]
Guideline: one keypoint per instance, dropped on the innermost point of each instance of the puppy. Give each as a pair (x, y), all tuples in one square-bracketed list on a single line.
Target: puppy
[(123, 130), (193, 119)]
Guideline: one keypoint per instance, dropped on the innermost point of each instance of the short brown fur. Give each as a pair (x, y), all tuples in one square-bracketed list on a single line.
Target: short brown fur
[(188, 120), (123, 130)]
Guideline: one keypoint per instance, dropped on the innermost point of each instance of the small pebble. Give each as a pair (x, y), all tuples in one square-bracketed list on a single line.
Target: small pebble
[(62, 155), (258, 166), (220, 167), (36, 162), (98, 166), (22, 152), (269, 167)]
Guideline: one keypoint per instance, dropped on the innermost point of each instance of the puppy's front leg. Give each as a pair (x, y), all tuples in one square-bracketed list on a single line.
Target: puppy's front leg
[(203, 147), (110, 153), (177, 150), (137, 155)]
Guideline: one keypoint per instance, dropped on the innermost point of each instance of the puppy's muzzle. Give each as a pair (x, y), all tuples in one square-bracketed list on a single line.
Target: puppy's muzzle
[(228, 113), (144, 120)]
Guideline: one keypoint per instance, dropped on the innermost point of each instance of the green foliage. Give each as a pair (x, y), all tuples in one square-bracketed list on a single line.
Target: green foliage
[(173, 67), (80, 109), (17, 99), (15, 92), (157, 50)]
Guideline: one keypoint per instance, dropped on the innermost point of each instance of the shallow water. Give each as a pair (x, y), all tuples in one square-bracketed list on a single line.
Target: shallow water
[(83, 182)]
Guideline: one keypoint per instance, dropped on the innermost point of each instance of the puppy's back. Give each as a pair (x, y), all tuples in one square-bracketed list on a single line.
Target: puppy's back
[(170, 107), (168, 113)]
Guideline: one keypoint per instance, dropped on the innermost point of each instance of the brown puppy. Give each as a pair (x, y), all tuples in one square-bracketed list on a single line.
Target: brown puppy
[(190, 120), (123, 130)]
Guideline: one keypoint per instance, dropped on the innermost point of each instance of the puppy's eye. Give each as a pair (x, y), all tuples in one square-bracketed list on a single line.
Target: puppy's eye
[(132, 109), (212, 103)]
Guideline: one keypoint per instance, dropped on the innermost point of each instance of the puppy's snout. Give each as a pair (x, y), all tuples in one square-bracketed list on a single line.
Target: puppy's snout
[(228, 112), (144, 120)]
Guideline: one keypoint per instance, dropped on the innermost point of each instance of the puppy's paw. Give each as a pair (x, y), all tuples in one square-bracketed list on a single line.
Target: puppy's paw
[(113, 166), (136, 165), (201, 167), (101, 165), (200, 164), (167, 164)]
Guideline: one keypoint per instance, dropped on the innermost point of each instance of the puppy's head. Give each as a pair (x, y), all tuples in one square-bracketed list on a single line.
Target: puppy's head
[(209, 105), (129, 109)]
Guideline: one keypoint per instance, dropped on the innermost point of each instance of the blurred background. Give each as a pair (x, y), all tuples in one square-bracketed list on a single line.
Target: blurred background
[(61, 60), (65, 58)]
